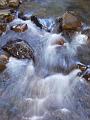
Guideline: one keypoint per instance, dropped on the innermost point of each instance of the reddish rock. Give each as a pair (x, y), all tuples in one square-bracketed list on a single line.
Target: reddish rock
[(82, 67), (3, 61), (58, 42), (71, 21), (19, 28)]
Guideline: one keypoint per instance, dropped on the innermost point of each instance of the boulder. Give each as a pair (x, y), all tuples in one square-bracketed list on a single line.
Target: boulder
[(19, 28), (6, 16), (71, 21), (19, 49), (3, 4), (3, 27), (14, 3), (3, 61)]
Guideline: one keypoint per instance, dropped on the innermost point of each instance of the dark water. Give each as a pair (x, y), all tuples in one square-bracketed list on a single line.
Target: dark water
[(40, 91)]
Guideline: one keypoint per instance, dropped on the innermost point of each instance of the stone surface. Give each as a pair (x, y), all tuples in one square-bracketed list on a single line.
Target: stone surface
[(2, 28), (6, 16), (14, 3), (3, 3), (71, 21), (19, 49), (19, 28), (3, 61)]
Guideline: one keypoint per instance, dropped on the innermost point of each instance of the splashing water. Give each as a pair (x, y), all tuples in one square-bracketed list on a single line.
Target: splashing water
[(38, 92)]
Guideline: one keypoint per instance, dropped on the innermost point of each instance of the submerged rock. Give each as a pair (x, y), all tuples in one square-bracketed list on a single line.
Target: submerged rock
[(19, 28), (19, 49), (3, 61), (3, 27), (60, 41)]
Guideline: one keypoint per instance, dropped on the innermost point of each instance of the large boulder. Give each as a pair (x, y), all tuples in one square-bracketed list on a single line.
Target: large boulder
[(2, 28), (3, 61), (20, 27), (19, 49), (71, 21)]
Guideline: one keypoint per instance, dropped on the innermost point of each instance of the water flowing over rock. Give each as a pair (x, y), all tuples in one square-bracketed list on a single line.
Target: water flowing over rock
[(19, 28), (19, 49)]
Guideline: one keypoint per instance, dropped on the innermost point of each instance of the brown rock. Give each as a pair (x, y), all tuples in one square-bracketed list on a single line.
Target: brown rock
[(14, 3), (71, 21), (3, 4), (19, 49), (3, 61), (2, 28), (19, 28), (82, 67), (58, 42), (6, 16)]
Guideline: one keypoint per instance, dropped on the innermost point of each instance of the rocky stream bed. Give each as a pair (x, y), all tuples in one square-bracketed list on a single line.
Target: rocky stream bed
[(44, 63)]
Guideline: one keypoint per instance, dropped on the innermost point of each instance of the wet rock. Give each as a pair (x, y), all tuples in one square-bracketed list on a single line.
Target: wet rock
[(2, 28), (3, 4), (58, 42), (19, 49), (87, 32), (6, 16), (35, 20), (58, 26), (14, 3), (22, 16), (82, 67), (19, 28), (3, 61), (86, 75), (71, 21)]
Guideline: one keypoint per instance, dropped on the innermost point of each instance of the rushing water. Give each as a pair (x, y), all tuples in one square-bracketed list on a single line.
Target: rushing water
[(46, 90)]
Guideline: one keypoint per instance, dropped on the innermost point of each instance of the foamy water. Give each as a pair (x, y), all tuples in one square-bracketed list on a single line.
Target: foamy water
[(35, 92)]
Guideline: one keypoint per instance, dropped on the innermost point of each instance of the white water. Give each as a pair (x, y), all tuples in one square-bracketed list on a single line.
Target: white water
[(37, 90)]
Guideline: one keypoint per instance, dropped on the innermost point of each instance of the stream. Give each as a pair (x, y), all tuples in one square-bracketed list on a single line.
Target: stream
[(46, 90)]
